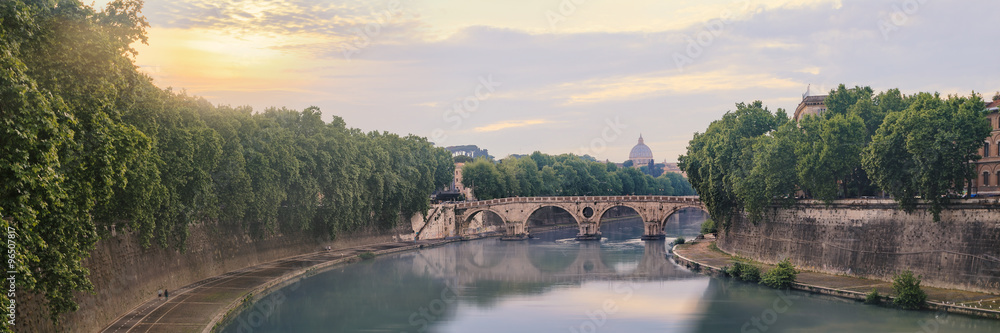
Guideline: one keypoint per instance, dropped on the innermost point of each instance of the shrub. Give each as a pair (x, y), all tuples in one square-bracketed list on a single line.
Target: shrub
[(368, 255), (781, 276), (748, 272), (873, 297), (695, 266), (679, 240), (708, 227), (727, 270), (908, 293)]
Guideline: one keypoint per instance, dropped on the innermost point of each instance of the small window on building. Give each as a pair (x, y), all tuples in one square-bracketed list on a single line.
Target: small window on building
[(998, 178), (986, 149), (986, 178)]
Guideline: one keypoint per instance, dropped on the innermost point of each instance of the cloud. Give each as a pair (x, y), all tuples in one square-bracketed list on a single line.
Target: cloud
[(510, 124), (571, 78)]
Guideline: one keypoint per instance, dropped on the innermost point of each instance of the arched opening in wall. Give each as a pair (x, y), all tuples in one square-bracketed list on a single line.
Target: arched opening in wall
[(484, 221), (621, 223), (685, 222), (548, 216)]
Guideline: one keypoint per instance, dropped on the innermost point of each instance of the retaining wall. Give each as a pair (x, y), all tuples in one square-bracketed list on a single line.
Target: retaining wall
[(125, 274), (874, 239)]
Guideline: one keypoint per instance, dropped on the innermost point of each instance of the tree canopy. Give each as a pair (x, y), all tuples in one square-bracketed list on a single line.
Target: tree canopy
[(91, 145), (564, 175), (910, 147)]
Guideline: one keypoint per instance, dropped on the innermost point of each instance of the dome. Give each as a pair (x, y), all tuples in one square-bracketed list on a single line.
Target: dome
[(641, 154)]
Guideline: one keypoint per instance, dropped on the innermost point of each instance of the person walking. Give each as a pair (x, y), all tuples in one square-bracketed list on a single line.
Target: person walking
[(165, 294), (159, 294)]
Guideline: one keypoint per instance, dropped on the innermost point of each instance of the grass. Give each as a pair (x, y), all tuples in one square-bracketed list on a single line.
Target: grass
[(367, 255), (715, 248)]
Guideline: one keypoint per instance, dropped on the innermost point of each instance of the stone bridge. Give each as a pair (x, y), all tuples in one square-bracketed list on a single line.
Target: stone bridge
[(456, 219)]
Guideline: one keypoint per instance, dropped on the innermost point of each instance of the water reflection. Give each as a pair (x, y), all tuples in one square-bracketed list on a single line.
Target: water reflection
[(556, 284)]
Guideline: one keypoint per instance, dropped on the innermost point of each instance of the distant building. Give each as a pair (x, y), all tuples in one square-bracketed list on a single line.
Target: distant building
[(456, 190), (472, 151), (988, 168), (811, 105), (640, 154), (672, 167)]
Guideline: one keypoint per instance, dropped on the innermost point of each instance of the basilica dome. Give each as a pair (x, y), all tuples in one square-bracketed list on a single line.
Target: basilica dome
[(641, 154)]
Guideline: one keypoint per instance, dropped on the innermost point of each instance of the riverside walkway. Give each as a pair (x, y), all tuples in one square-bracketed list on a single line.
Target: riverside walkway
[(198, 306), (710, 259)]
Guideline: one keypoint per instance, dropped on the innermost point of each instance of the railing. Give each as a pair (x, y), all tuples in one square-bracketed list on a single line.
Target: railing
[(617, 198)]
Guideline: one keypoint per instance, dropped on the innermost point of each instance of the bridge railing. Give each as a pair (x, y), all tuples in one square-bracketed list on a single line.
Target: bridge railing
[(617, 198)]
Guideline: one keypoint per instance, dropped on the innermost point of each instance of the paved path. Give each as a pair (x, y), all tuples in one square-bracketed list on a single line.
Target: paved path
[(701, 252), (193, 307)]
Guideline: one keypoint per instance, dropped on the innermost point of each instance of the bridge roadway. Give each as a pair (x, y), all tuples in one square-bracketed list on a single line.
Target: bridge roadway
[(586, 211)]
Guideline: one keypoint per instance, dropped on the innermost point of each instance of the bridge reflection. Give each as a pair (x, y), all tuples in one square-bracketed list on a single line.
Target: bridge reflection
[(557, 261)]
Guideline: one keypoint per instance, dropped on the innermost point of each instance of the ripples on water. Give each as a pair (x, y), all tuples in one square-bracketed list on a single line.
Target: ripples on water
[(557, 284)]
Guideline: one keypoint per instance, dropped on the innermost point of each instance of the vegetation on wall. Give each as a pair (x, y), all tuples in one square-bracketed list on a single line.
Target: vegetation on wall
[(90, 144), (864, 144), (564, 175)]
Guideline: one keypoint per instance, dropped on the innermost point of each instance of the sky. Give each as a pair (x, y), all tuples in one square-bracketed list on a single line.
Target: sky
[(561, 76)]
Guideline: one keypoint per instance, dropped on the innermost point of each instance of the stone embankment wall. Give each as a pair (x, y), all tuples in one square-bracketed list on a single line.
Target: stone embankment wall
[(874, 239), (125, 274)]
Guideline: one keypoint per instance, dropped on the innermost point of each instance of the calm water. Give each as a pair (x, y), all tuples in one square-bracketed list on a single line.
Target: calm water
[(556, 284)]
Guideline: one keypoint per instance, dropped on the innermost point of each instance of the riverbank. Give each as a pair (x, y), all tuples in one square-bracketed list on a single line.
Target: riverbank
[(201, 306), (708, 259)]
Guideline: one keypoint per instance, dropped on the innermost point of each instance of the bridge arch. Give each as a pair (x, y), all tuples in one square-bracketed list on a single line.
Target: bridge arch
[(634, 207), (567, 208), (674, 210), (464, 228)]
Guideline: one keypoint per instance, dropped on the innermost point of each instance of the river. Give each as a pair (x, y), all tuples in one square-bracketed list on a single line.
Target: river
[(556, 284)]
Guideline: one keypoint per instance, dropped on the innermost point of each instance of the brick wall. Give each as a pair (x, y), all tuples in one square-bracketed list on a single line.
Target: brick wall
[(874, 239)]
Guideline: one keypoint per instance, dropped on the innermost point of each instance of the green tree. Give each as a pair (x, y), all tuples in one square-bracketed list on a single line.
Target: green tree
[(483, 177), (829, 152), (927, 150), (723, 156), (908, 293)]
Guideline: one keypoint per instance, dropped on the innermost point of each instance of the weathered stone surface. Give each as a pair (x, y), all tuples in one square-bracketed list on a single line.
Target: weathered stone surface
[(125, 274), (874, 239), (448, 220)]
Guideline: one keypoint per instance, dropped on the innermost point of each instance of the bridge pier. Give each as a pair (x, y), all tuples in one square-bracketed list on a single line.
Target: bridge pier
[(589, 231), (653, 231), (516, 229)]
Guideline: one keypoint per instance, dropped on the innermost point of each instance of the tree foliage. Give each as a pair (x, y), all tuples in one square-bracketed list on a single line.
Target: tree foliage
[(781, 276), (908, 293), (919, 146), (90, 145), (564, 175), (927, 149)]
